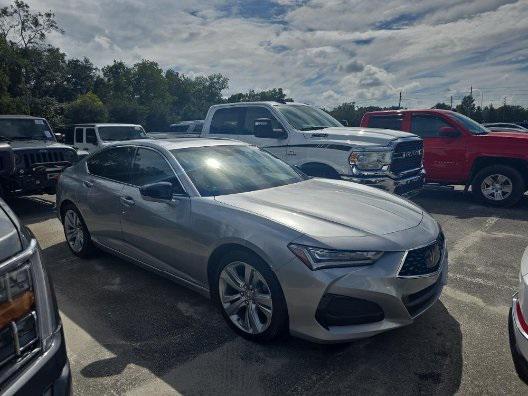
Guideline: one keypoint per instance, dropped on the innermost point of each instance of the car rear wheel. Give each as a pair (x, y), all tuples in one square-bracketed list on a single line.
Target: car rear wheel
[(498, 185), (76, 234), (249, 297)]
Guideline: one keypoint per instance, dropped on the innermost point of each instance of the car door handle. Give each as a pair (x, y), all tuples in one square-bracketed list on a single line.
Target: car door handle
[(127, 201), (87, 183)]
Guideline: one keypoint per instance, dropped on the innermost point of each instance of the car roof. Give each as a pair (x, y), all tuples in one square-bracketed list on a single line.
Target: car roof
[(181, 143), (15, 116), (381, 112)]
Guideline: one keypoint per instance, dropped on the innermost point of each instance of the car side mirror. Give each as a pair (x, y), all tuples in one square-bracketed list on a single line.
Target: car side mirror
[(448, 132), (263, 128), (158, 191)]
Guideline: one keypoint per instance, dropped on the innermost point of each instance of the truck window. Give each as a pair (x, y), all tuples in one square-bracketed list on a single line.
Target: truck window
[(386, 122), (229, 121), (256, 112), (68, 138), (90, 136), (79, 135), (427, 126)]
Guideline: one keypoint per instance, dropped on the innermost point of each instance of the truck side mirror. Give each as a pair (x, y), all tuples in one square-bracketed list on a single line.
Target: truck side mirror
[(263, 128), (448, 132)]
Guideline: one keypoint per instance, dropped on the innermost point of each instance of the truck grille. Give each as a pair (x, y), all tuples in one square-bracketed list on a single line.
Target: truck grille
[(407, 156), (425, 260), (41, 156)]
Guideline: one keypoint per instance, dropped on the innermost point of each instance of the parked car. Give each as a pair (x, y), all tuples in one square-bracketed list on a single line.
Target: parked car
[(181, 129), (33, 357), (30, 158), (91, 137), (504, 127), (275, 250), (314, 141), (518, 323), (460, 151)]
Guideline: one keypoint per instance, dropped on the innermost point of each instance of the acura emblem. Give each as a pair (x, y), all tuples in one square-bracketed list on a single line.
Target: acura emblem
[(432, 256)]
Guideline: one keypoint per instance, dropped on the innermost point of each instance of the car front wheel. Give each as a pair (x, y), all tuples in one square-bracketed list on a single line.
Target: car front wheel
[(76, 233), (250, 297), (498, 185)]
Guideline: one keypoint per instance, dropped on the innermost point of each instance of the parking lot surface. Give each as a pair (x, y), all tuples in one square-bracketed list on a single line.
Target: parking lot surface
[(130, 331)]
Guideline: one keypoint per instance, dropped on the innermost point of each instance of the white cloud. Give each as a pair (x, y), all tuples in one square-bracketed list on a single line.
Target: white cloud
[(321, 51)]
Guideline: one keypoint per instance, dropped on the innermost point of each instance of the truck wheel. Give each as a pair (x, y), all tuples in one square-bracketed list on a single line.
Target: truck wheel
[(498, 185)]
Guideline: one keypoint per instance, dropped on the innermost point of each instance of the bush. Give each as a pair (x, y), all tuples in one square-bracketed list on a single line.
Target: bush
[(86, 108)]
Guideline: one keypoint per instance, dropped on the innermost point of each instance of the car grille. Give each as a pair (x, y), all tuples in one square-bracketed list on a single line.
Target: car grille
[(417, 302), (425, 260), (30, 158), (407, 156)]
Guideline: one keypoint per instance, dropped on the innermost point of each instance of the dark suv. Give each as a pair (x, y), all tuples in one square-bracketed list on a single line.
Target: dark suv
[(30, 157), (33, 357)]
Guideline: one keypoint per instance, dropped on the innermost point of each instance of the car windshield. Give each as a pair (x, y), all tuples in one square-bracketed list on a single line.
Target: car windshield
[(116, 133), (223, 170), (473, 126), (307, 118), (25, 129)]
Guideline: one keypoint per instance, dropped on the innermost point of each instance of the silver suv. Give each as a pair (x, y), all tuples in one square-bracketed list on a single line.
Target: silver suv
[(330, 260)]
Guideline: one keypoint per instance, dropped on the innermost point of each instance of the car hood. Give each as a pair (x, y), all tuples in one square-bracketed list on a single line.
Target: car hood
[(36, 144), (363, 136), (521, 136), (9, 239), (330, 208)]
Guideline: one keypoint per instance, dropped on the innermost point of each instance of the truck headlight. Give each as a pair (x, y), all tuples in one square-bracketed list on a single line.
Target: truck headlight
[(316, 258), (70, 155), (369, 160)]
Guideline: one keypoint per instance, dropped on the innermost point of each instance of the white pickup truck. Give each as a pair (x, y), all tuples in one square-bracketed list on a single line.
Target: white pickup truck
[(319, 145)]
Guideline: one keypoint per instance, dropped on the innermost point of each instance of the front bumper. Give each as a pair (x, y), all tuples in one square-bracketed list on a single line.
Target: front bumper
[(404, 185), (28, 181), (378, 284)]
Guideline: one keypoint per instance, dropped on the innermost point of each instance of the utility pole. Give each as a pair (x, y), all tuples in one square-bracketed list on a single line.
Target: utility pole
[(451, 102), (399, 102), (481, 98), (471, 91)]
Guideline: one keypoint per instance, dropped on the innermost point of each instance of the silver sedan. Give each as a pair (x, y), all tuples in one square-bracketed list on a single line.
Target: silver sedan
[(326, 260)]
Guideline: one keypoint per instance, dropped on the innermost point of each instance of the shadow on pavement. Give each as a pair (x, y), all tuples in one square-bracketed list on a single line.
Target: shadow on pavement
[(462, 205), (146, 320), (33, 209)]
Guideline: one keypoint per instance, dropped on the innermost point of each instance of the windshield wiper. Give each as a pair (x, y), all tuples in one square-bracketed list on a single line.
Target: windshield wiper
[(313, 127)]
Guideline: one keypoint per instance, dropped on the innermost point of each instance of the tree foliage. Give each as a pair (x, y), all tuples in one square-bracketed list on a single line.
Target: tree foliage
[(86, 108)]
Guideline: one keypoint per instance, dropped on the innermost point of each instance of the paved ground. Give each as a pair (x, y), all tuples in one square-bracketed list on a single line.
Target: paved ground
[(128, 330)]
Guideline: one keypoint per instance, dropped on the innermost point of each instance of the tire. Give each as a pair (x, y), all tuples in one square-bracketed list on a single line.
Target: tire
[(324, 171), (265, 300), (494, 182), (75, 230)]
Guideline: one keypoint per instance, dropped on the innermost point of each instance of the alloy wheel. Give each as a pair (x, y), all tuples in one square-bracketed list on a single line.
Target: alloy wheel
[(245, 297), (496, 187), (74, 230)]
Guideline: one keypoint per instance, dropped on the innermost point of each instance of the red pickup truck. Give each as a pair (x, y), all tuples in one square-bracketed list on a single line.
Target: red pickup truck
[(460, 151)]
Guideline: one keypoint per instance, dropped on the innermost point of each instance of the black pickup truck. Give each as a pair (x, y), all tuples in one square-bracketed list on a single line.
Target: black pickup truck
[(31, 159)]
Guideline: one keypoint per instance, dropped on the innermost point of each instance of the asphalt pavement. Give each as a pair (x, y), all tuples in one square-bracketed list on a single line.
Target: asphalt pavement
[(131, 331)]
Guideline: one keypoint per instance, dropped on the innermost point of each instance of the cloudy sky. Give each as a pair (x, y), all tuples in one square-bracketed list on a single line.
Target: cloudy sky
[(322, 52)]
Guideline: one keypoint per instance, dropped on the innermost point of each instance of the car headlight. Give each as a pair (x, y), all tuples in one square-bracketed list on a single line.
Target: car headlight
[(369, 160), (70, 155), (316, 258)]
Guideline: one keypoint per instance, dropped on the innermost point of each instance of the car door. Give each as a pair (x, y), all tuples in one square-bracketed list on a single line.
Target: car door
[(78, 138), (157, 232), (108, 170), (444, 157), (276, 146)]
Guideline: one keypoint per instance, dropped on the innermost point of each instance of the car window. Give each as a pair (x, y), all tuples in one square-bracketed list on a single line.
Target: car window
[(427, 126), (198, 126), (114, 163), (149, 166), (256, 112), (90, 136), (79, 135), (386, 122), (229, 121)]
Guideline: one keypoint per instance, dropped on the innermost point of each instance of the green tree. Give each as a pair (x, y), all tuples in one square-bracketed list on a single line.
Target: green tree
[(274, 94), (441, 106), (86, 108), (467, 107)]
